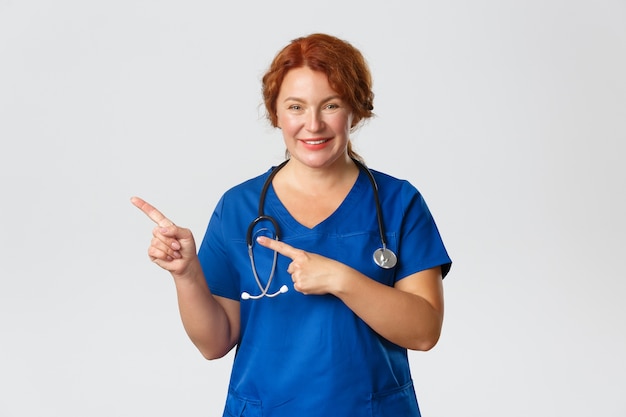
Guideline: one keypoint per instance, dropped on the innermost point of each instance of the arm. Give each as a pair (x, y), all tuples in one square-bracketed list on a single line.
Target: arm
[(409, 314), (211, 322)]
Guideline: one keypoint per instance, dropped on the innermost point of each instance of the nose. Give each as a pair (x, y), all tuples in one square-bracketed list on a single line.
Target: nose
[(314, 122)]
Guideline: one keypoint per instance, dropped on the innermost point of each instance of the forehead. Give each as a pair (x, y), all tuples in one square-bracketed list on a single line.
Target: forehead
[(304, 81)]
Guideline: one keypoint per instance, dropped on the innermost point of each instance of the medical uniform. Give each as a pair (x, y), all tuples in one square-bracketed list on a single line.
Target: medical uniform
[(310, 355)]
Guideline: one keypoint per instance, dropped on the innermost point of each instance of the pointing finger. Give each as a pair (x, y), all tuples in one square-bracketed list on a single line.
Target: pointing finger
[(280, 247), (150, 211)]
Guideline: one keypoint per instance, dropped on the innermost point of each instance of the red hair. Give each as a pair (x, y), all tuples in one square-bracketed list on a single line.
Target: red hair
[(344, 65)]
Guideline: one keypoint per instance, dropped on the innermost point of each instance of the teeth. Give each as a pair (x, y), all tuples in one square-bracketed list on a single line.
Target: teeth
[(315, 142)]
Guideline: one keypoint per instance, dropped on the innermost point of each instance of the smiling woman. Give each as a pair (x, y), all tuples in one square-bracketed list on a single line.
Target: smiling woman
[(347, 74), (314, 119), (329, 315)]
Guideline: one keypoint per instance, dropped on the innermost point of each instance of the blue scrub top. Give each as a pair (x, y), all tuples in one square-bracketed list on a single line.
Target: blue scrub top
[(310, 355)]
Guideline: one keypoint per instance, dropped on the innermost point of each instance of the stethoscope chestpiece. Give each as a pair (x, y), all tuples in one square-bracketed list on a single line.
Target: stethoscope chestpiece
[(385, 258)]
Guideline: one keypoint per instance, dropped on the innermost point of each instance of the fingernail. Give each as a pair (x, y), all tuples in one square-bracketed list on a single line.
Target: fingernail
[(175, 245)]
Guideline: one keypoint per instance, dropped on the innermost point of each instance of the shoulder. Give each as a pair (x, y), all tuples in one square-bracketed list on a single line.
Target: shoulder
[(387, 184), (250, 186), (243, 195), (399, 194)]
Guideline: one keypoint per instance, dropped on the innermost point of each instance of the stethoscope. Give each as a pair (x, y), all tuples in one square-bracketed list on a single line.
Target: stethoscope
[(383, 256)]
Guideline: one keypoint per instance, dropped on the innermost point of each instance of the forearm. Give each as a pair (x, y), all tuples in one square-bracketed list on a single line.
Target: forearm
[(212, 324), (402, 317), (205, 320)]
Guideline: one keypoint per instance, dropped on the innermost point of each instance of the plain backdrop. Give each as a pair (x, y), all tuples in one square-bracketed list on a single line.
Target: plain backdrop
[(509, 116)]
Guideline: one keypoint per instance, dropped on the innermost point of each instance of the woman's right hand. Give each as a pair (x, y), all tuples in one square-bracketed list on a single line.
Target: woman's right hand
[(172, 248), (212, 323)]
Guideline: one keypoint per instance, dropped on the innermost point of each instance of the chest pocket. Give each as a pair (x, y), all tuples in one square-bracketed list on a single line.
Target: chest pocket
[(355, 250)]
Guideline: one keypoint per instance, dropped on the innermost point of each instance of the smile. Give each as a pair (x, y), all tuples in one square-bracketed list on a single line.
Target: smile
[(316, 142)]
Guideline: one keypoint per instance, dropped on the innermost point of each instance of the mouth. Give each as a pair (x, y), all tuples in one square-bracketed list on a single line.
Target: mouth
[(316, 142)]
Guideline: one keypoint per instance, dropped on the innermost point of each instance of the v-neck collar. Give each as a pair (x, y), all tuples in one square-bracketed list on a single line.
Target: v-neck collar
[(287, 221)]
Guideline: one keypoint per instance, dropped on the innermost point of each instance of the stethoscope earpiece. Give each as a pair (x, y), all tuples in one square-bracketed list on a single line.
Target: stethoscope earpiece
[(246, 295)]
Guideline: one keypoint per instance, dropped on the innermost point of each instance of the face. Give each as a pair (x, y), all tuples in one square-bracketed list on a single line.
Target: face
[(314, 120)]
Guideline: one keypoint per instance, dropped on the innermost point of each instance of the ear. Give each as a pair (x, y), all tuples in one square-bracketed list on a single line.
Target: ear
[(355, 121)]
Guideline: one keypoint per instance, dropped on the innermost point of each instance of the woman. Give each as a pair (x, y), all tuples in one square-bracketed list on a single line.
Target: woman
[(321, 325)]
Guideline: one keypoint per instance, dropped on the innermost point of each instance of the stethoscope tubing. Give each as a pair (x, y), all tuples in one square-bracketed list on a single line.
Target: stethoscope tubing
[(383, 257)]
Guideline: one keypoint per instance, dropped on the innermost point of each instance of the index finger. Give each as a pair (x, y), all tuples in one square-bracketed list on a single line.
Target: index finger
[(150, 211), (280, 247)]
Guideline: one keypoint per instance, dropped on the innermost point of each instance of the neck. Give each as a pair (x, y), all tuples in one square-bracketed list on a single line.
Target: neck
[(318, 180)]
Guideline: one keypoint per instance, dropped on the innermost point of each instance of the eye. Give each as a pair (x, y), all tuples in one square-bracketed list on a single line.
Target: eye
[(295, 107), (332, 106)]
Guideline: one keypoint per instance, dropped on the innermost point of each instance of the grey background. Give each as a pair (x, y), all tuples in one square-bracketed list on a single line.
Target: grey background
[(509, 116)]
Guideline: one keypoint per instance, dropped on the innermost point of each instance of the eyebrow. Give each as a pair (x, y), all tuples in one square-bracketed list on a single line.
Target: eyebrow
[(333, 97)]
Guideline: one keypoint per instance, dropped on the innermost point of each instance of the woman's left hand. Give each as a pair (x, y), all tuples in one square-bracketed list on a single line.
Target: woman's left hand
[(311, 273), (409, 314)]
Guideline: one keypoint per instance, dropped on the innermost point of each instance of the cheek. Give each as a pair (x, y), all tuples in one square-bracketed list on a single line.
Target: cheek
[(343, 124), (285, 123), (280, 120)]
